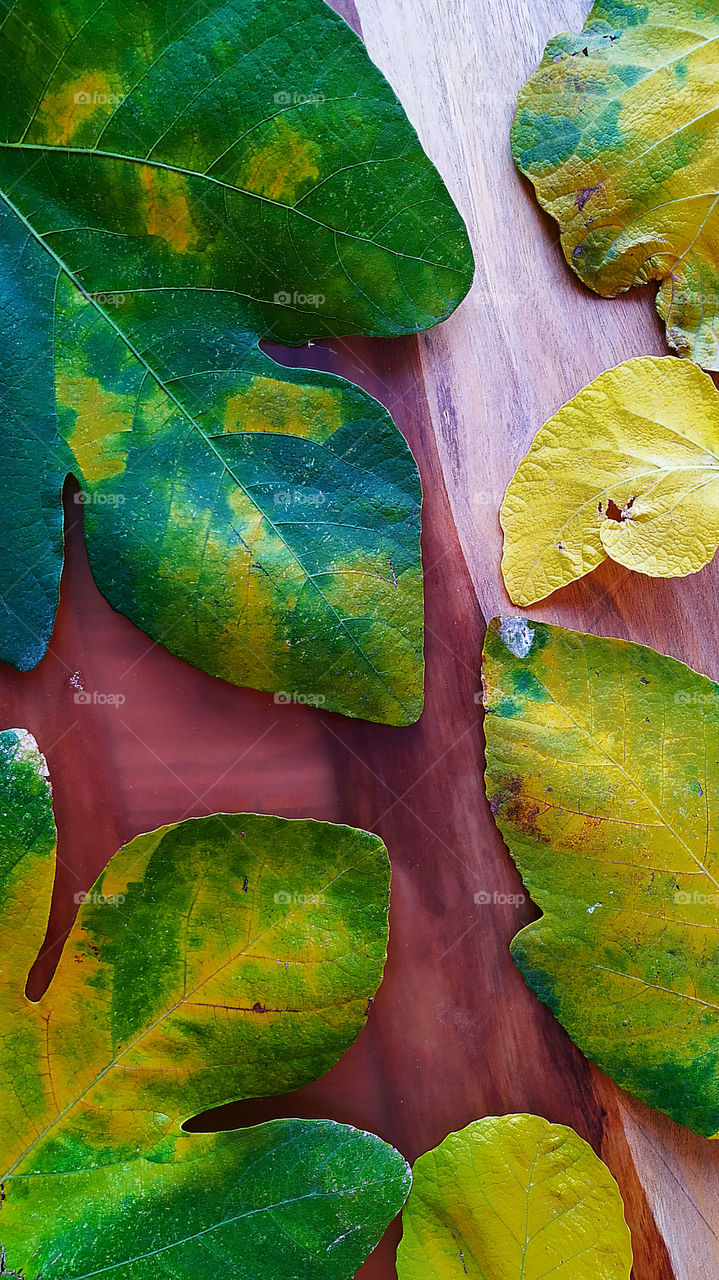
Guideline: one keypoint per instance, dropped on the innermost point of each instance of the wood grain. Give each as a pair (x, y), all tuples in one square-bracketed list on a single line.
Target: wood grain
[(528, 338), (454, 1033)]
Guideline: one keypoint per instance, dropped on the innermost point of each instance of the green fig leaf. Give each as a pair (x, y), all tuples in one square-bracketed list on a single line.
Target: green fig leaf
[(602, 773), (178, 186), (225, 957)]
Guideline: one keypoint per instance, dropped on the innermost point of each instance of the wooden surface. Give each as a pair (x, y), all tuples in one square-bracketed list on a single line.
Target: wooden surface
[(454, 1033)]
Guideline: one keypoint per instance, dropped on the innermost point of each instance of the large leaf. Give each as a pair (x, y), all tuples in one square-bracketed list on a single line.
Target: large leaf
[(296, 1199), (628, 469), (618, 130), (603, 773), (220, 958), (178, 184), (513, 1198)]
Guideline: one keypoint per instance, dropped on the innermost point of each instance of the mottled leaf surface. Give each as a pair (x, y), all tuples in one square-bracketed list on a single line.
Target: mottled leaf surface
[(618, 130), (602, 774), (223, 957), (628, 469), (297, 1199), (177, 183), (513, 1198)]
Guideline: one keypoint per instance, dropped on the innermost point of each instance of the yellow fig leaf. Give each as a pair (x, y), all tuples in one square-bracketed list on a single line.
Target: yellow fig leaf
[(618, 130), (628, 469), (513, 1198)]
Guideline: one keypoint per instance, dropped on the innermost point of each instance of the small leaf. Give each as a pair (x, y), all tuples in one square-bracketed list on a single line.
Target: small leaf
[(627, 470), (223, 957), (175, 189), (513, 1198), (618, 130), (602, 773)]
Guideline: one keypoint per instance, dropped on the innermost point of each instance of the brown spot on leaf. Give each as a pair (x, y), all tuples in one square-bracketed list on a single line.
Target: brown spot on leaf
[(585, 194)]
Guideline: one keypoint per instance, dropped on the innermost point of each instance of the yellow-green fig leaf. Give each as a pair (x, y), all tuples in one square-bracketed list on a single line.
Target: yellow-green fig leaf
[(513, 1198), (628, 469), (618, 129), (220, 958), (603, 776)]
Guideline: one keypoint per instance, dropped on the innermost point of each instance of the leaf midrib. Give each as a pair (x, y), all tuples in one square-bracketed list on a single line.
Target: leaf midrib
[(228, 186), (311, 578)]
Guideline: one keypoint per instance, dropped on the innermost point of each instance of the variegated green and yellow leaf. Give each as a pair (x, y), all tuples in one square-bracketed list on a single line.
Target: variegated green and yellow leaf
[(225, 957), (628, 469), (300, 1199), (513, 1198), (603, 775), (175, 187), (618, 130), (220, 958)]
